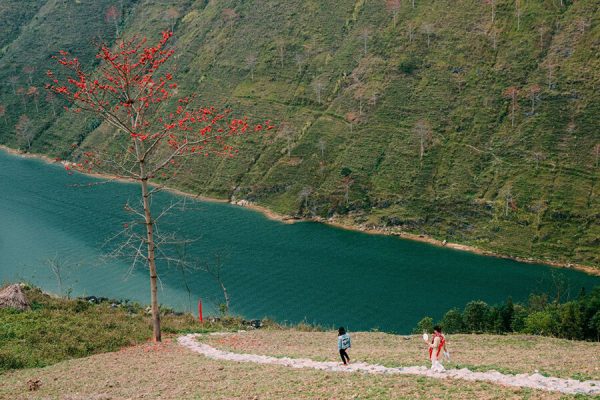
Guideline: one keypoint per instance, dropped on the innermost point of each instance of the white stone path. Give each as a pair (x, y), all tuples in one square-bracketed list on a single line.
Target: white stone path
[(534, 381)]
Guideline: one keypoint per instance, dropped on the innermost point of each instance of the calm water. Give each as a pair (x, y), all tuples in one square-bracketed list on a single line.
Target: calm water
[(304, 271)]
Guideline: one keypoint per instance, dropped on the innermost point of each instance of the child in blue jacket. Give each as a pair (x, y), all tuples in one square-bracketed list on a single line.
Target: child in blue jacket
[(343, 344)]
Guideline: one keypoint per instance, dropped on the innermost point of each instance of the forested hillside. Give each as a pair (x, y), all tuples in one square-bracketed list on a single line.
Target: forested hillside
[(466, 120)]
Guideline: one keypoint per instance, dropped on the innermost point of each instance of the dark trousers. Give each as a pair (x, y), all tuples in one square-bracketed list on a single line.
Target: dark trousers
[(344, 356)]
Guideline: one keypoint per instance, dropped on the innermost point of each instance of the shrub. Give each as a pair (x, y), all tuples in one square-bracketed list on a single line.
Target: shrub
[(453, 321), (476, 316), (570, 324), (540, 323), (424, 325)]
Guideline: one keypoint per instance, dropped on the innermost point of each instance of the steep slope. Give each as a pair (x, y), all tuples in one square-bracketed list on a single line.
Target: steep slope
[(390, 116)]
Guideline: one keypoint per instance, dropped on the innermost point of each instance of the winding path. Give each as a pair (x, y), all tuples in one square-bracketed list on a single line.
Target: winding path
[(534, 381)]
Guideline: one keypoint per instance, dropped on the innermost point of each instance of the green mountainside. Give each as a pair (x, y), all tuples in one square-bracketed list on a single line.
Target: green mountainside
[(471, 121)]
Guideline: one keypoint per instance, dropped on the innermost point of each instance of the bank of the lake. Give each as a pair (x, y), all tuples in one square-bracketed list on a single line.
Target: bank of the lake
[(339, 222), (290, 272)]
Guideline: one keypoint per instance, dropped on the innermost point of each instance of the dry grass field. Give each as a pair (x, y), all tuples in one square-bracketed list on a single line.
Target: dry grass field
[(169, 371)]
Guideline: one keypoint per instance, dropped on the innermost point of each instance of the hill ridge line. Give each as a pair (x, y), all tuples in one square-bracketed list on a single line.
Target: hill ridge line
[(533, 381)]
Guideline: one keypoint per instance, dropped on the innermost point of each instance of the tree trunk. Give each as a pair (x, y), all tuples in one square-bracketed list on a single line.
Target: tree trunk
[(156, 337), (512, 116), (151, 261), (225, 295)]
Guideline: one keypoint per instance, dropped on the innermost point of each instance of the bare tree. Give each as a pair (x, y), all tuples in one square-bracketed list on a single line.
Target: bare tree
[(347, 182), (373, 99), (596, 152), (509, 202), (318, 86), (393, 7), (60, 269), (34, 93), (512, 92), (353, 118), (251, 60), (22, 93), (55, 266), (29, 70), (422, 130), (492, 4), (52, 100), (410, 30), (280, 44), (413, 4), (3, 113), (113, 15), (360, 94), (304, 196), (428, 30), (539, 207), (461, 81), (171, 15), (550, 74), (542, 30), (534, 92), (364, 35), (494, 34), (518, 13), (287, 132), (215, 270), (322, 146), (538, 157), (13, 81), (300, 61), (230, 16), (24, 130), (582, 24)]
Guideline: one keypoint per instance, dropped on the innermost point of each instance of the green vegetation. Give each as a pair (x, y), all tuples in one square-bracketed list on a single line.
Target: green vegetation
[(415, 103), (57, 329), (576, 319)]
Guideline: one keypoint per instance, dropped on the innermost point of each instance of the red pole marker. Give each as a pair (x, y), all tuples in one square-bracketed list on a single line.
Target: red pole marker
[(200, 310)]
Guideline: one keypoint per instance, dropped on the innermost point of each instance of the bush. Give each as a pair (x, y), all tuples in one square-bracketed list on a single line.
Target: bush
[(519, 315), (424, 325), (570, 321), (453, 321), (578, 319), (475, 316), (540, 323), (10, 361), (594, 325)]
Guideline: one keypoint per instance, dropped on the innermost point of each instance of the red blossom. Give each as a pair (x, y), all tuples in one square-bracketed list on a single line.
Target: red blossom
[(130, 85)]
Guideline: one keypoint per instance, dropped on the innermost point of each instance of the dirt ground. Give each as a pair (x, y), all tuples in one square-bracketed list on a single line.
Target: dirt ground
[(169, 371)]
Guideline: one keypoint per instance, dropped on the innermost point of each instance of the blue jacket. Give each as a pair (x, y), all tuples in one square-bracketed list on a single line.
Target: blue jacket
[(344, 342)]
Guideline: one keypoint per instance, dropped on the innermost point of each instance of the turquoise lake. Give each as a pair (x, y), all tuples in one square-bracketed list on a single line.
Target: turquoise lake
[(303, 271)]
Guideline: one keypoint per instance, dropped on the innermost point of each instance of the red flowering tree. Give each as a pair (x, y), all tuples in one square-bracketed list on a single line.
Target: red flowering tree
[(133, 91)]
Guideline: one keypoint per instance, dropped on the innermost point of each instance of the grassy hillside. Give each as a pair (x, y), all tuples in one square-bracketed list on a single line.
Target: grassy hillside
[(357, 87), (56, 329)]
